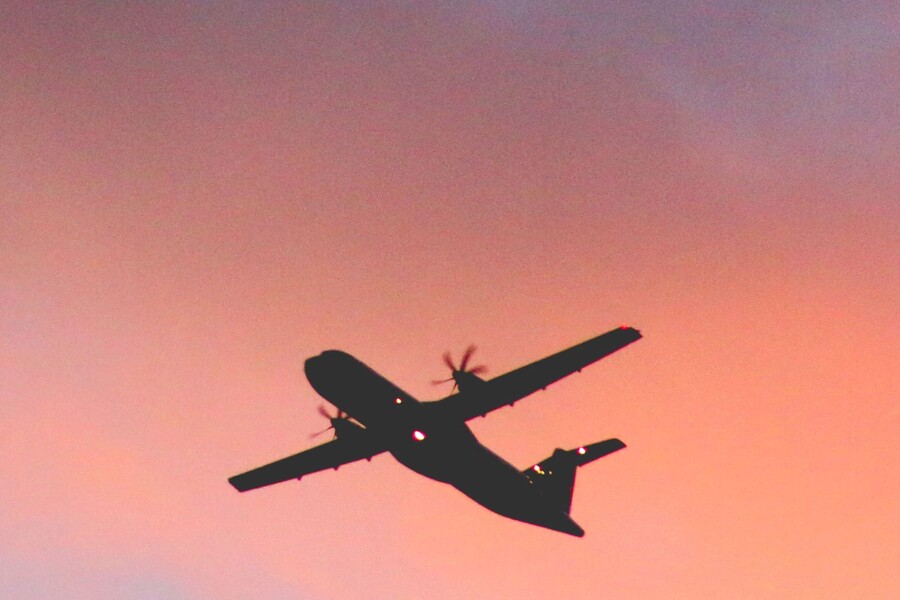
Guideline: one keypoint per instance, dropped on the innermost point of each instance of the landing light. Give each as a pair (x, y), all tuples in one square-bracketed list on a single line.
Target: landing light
[(398, 401), (418, 435), (581, 450)]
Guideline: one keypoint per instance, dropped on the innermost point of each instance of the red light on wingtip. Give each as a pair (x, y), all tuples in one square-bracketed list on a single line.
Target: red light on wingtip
[(623, 326)]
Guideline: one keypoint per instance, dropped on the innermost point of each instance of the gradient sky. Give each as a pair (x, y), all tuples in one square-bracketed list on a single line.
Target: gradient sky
[(196, 196)]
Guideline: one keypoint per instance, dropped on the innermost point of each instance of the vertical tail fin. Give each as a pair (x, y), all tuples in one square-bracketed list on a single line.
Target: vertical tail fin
[(555, 475)]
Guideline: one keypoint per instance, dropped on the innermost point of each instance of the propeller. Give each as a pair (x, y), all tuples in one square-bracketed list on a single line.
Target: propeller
[(339, 416), (456, 370)]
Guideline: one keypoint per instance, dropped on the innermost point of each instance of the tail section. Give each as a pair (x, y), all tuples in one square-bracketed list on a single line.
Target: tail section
[(555, 475)]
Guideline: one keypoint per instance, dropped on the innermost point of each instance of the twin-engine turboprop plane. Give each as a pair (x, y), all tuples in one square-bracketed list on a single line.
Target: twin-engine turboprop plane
[(432, 438)]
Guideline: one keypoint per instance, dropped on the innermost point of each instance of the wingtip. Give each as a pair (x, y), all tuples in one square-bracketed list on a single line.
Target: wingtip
[(631, 329), (574, 529), (235, 483)]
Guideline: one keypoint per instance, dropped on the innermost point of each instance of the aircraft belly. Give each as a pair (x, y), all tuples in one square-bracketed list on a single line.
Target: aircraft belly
[(497, 485), (431, 458), (487, 479)]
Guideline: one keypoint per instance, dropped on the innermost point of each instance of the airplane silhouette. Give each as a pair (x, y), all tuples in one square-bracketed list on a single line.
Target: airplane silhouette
[(432, 438)]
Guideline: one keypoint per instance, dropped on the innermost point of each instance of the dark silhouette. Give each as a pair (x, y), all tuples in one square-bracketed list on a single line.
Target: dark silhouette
[(432, 438)]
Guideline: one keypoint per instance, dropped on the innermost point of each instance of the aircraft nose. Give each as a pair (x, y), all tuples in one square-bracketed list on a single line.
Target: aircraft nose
[(325, 366), (314, 367), (310, 366)]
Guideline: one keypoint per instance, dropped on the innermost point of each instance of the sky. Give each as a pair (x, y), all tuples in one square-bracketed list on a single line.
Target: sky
[(197, 196)]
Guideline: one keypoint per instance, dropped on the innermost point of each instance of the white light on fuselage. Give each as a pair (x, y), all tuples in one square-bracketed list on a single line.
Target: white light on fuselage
[(398, 401), (418, 435)]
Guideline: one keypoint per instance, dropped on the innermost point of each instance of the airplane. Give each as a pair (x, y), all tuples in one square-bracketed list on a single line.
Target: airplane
[(433, 439)]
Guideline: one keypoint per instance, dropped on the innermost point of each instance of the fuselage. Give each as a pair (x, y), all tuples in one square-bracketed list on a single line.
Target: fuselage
[(443, 450)]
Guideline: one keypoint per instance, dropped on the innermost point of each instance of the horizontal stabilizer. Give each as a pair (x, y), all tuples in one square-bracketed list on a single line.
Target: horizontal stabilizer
[(586, 454), (555, 475)]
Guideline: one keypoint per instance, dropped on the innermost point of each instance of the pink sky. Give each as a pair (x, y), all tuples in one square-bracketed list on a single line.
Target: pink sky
[(197, 197)]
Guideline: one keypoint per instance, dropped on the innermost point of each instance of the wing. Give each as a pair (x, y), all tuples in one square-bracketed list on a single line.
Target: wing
[(515, 385), (329, 455)]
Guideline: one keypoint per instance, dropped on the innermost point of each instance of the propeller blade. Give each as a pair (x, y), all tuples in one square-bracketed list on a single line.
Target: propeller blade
[(448, 360), (318, 433), (462, 368), (466, 356)]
